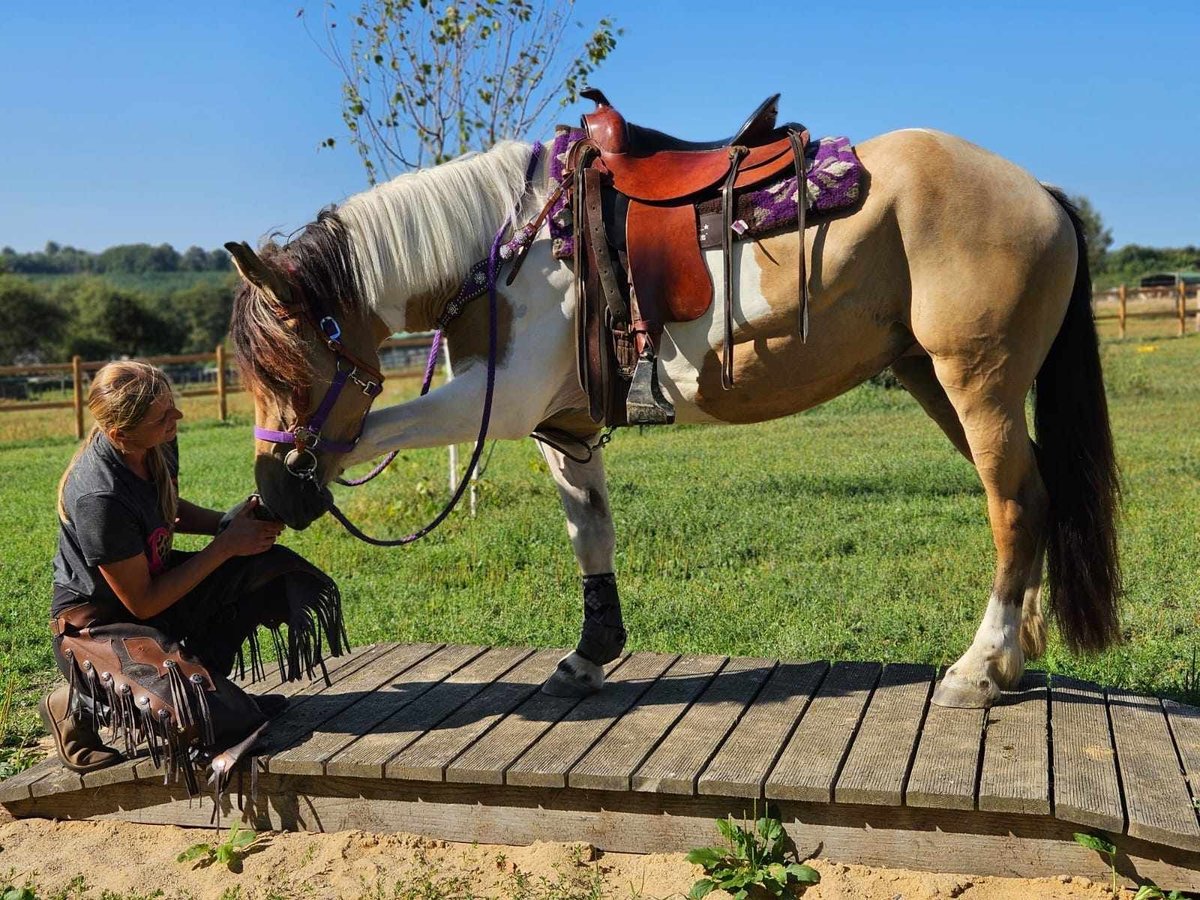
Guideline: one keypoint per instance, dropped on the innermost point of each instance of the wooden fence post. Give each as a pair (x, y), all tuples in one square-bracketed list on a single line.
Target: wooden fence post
[(77, 378), (222, 409), (1181, 306), (1121, 295)]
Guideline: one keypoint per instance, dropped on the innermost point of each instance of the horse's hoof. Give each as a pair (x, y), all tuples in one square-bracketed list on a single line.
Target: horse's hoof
[(574, 677), (961, 692)]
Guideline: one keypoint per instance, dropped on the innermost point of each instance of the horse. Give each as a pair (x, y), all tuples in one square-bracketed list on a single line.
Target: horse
[(956, 268)]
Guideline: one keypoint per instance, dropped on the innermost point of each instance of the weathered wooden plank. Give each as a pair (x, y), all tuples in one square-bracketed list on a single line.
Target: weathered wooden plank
[(1156, 795), (741, 765), (1016, 750), (409, 676), (611, 762), (485, 761), (56, 781), (547, 762), (404, 685), (946, 764), (1086, 789), (676, 763), (335, 667), (1185, 728), (808, 766), (371, 752), (427, 758), (883, 749), (17, 786), (301, 719), (924, 839)]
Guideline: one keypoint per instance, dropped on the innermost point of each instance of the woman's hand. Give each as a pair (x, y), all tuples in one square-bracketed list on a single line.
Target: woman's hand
[(245, 535)]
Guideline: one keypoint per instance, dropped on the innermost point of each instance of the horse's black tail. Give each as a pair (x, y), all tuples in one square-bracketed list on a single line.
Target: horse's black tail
[(1078, 466)]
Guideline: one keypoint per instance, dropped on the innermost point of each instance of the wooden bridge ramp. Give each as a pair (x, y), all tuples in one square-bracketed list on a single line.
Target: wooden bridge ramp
[(456, 742)]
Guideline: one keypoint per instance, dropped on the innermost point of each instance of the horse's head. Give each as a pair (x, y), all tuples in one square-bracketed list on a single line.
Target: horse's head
[(308, 351)]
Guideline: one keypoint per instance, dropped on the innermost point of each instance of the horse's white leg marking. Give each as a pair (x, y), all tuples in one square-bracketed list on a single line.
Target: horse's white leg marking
[(583, 489)]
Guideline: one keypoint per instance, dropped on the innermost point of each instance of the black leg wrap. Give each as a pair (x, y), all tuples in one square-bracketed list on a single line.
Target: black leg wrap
[(603, 636)]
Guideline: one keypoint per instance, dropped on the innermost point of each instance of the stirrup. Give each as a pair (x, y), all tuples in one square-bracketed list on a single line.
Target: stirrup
[(645, 403)]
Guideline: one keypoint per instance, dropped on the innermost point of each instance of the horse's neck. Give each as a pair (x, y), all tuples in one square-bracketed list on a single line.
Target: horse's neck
[(403, 311)]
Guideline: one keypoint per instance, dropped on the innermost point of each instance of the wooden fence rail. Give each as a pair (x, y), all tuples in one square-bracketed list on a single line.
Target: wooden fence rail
[(1122, 294), (77, 367)]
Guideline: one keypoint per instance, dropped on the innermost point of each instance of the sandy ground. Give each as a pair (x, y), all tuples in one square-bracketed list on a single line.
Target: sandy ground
[(87, 859)]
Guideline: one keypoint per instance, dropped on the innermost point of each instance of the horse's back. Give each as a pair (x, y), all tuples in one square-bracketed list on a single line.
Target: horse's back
[(948, 240)]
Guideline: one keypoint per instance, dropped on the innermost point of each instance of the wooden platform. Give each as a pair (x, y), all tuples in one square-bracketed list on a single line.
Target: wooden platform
[(456, 742)]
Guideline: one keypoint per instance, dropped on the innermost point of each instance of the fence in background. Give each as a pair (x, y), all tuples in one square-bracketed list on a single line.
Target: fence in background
[(188, 371), (399, 355), (1164, 302)]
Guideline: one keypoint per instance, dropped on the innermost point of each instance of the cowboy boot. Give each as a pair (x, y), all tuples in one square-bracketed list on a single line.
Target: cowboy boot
[(79, 746)]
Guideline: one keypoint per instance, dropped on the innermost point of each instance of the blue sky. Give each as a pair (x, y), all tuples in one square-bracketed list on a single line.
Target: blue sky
[(198, 123)]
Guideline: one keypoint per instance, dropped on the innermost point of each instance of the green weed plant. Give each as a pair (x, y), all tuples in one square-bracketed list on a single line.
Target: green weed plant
[(755, 858), (228, 853)]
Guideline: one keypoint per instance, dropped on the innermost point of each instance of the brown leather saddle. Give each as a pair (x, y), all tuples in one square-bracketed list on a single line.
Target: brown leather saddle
[(640, 240)]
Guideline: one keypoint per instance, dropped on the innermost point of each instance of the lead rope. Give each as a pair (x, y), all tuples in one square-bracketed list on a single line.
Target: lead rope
[(493, 270)]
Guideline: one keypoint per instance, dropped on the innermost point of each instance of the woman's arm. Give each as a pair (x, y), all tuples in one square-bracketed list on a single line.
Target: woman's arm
[(193, 519), (147, 595)]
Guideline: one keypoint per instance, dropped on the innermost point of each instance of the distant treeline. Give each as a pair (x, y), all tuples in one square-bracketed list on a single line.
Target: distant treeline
[(123, 258), (142, 300), (1131, 263)]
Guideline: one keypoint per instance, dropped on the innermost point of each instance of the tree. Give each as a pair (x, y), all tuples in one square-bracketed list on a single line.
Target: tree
[(112, 322), (426, 81), (1099, 238), (204, 309), (29, 323)]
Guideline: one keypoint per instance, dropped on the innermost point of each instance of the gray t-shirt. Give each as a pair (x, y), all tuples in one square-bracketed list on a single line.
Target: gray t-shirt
[(113, 514)]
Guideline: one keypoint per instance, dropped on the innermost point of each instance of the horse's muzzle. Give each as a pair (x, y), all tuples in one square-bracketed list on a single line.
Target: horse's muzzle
[(295, 501)]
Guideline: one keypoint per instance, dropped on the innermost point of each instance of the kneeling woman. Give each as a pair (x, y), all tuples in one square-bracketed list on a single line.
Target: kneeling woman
[(147, 636)]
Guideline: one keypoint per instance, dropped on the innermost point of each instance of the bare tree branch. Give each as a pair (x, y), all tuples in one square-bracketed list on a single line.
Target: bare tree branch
[(426, 79)]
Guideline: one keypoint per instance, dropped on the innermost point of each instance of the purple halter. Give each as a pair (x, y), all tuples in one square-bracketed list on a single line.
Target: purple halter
[(306, 435)]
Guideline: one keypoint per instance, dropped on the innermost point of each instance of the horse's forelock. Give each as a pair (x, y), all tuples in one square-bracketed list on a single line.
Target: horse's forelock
[(272, 356), (269, 355)]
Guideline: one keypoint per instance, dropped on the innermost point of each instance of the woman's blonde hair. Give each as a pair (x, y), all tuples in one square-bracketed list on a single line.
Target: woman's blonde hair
[(120, 396)]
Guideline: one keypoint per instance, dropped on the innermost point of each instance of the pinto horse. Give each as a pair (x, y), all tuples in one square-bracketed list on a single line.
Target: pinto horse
[(957, 269)]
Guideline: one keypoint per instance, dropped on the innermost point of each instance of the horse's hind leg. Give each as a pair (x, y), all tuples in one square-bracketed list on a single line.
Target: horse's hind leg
[(917, 375), (583, 489), (991, 409)]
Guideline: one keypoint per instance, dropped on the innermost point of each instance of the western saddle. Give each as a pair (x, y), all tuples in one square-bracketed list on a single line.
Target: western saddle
[(636, 191)]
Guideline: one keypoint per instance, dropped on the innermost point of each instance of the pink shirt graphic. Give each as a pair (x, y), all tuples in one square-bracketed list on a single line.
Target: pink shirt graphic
[(158, 546)]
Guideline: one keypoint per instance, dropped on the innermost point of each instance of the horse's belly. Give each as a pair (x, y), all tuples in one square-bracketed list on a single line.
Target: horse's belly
[(856, 328)]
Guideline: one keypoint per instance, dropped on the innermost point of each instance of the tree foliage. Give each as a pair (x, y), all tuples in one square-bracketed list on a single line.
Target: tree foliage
[(52, 320), (30, 325), (1099, 238), (120, 259), (426, 81)]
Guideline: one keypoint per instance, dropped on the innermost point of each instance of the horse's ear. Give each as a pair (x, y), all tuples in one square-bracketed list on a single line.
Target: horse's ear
[(258, 273)]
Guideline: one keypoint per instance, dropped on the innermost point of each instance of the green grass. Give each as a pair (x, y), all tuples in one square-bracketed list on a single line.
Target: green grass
[(853, 531)]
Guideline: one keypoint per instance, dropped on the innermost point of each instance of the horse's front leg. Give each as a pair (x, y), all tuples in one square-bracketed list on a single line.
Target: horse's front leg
[(584, 493), (450, 414)]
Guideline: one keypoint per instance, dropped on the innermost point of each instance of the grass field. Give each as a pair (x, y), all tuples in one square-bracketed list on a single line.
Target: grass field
[(853, 531)]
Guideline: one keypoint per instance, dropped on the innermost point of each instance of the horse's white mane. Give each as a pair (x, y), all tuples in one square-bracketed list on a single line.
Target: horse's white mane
[(422, 232)]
